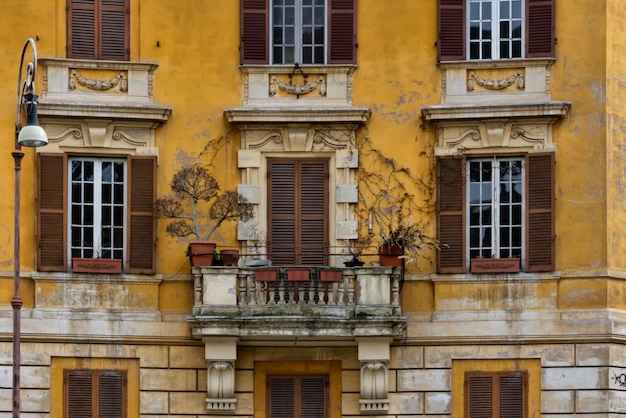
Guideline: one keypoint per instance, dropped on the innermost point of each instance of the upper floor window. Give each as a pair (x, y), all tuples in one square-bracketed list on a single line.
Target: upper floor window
[(298, 31), (93, 207), (494, 208), (495, 29), (98, 29)]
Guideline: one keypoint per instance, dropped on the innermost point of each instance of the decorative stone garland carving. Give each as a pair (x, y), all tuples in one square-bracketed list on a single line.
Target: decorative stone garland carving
[(98, 85), (495, 84), (297, 90)]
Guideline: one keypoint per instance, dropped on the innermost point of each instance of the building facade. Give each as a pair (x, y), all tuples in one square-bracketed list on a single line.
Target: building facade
[(491, 127)]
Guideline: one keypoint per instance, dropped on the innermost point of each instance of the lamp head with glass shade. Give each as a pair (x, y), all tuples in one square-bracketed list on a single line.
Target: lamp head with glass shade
[(31, 134)]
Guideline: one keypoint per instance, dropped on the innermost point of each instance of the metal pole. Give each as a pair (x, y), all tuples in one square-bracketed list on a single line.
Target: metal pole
[(16, 301)]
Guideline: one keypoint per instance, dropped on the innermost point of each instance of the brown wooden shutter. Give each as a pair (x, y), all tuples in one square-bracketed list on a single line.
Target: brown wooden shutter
[(254, 48), (95, 394), (282, 210), (78, 394), (540, 28), (496, 394), (297, 396), (52, 208), (81, 29), (342, 32), (451, 29), (281, 396), (479, 396), (114, 33), (540, 212), (141, 219), (111, 394), (314, 205), (450, 215), (512, 399), (313, 397), (298, 205), (98, 29)]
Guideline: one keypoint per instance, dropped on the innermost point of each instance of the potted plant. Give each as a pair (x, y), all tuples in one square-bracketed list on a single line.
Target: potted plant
[(195, 207), (356, 248)]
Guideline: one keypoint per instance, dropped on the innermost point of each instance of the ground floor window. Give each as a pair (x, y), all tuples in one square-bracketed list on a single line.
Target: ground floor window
[(95, 393), (297, 396)]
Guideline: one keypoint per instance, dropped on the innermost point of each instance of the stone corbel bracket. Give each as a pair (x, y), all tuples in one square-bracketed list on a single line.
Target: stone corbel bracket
[(98, 85), (221, 387), (495, 84), (374, 386), (297, 90)]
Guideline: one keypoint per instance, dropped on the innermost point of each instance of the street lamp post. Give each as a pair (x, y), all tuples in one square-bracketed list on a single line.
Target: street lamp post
[(31, 135)]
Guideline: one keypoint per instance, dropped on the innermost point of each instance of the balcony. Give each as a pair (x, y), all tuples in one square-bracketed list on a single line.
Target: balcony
[(258, 304)]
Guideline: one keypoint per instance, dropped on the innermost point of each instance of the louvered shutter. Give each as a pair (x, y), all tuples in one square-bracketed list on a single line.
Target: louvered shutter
[(254, 48), (479, 396), (79, 394), (511, 395), (450, 215), (98, 29), (540, 212), (81, 29), (142, 225), (282, 209), (313, 216), (342, 32), (282, 397), (313, 397), (114, 34), (540, 28), (111, 395), (52, 207), (451, 30)]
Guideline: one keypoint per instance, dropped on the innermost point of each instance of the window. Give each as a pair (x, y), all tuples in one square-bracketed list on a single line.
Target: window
[(298, 31), (102, 208), (297, 396), (496, 394), (98, 29), (495, 29), (302, 31), (97, 208), (95, 393), (298, 211), (496, 207)]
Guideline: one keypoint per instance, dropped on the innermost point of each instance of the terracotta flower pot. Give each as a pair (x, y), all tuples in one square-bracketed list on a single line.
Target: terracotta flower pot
[(266, 274), (298, 274), (389, 256), (229, 257), (330, 275), (201, 253)]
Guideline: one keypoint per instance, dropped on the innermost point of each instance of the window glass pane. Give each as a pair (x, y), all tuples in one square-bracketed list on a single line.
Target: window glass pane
[(474, 30), (105, 238), (504, 29), (486, 50), (307, 16), (516, 215), (88, 171), (290, 36), (486, 215), (504, 49), (106, 194), (118, 238), (118, 194), (319, 16), (106, 215), (474, 11), (87, 215), (118, 216), (474, 50), (505, 216), (277, 16), (486, 10), (485, 193), (517, 49), (516, 236), (277, 33), (319, 37), (516, 29), (289, 55), (278, 56), (76, 170), (106, 172), (517, 9), (307, 36), (89, 195), (486, 30), (290, 14), (504, 10), (88, 237), (319, 55)]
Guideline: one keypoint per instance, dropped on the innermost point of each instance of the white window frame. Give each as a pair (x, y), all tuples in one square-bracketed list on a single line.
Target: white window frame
[(495, 243), (95, 249), (494, 22), (298, 32)]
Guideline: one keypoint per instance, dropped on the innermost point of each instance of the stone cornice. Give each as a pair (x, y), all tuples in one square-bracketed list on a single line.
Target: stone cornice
[(347, 114), (448, 112)]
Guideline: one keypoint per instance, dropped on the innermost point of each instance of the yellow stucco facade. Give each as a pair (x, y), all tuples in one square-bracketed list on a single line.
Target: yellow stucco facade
[(190, 100)]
